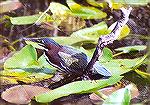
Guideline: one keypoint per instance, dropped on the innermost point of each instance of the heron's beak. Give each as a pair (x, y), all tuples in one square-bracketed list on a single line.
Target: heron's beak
[(35, 42)]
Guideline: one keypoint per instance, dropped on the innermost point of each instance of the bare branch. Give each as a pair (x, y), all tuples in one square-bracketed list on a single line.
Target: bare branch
[(107, 39)]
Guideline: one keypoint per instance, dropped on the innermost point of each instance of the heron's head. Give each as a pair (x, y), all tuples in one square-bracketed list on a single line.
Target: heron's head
[(42, 43)]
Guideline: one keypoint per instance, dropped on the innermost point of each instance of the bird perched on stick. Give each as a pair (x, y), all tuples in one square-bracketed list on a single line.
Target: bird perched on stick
[(69, 61)]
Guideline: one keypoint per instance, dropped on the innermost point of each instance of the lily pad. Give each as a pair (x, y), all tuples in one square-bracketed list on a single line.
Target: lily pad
[(91, 33), (121, 66), (85, 12), (23, 20), (26, 57), (77, 87)]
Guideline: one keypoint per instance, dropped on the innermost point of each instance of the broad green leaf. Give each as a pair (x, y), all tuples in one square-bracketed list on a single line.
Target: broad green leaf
[(86, 35), (28, 78), (72, 40), (85, 12), (120, 97), (26, 57), (63, 41), (77, 87), (14, 73), (60, 12), (44, 64), (26, 75), (107, 55), (24, 66), (64, 18), (91, 33), (120, 66), (23, 20), (59, 9), (131, 48)]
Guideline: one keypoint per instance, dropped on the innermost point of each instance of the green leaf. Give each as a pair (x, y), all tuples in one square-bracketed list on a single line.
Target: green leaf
[(71, 40), (131, 48), (85, 12), (26, 75), (120, 97), (91, 33), (23, 20), (77, 87), (86, 35), (120, 66), (26, 57), (107, 55), (44, 64), (59, 9)]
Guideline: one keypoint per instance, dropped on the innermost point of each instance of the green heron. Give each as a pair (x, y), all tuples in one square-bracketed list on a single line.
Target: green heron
[(68, 60)]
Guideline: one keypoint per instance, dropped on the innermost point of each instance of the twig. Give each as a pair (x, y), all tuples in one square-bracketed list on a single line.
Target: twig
[(107, 39)]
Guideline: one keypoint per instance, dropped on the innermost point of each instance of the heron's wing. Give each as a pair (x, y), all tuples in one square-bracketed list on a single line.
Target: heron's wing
[(73, 59), (101, 69)]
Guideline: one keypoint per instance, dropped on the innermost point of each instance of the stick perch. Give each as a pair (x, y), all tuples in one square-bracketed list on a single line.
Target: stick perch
[(107, 39)]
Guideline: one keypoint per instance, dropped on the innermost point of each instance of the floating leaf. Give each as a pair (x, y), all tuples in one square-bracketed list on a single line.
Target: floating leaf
[(107, 55), (23, 20), (77, 87), (85, 12), (44, 64), (59, 9), (120, 66), (26, 75), (131, 48), (26, 57), (91, 33), (25, 67), (60, 12), (120, 97), (72, 40)]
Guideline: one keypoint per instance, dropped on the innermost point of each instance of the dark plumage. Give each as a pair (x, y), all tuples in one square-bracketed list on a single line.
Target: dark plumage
[(68, 60)]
